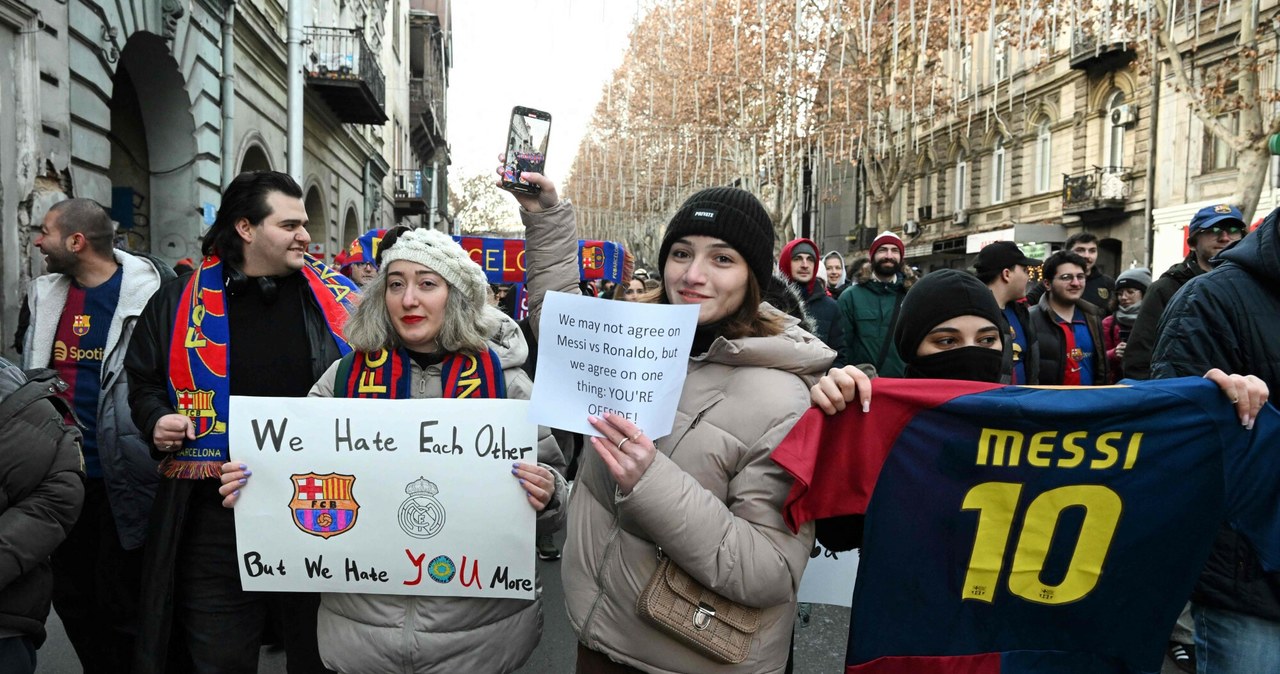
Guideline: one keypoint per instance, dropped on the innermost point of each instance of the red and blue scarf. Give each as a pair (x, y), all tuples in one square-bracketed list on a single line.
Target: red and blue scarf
[(199, 385), (387, 374)]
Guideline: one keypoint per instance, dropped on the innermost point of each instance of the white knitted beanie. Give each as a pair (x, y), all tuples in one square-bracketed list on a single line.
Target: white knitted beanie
[(438, 252)]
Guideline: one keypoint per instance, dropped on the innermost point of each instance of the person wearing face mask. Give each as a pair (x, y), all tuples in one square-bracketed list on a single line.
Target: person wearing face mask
[(936, 466), (1131, 286)]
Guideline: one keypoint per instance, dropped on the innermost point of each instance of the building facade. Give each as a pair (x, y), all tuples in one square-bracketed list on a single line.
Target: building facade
[(150, 106)]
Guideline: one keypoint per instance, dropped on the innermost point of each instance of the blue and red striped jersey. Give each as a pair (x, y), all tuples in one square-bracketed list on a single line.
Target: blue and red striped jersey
[(1012, 530)]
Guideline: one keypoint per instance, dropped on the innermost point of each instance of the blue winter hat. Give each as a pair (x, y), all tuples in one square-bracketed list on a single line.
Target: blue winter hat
[(1214, 216)]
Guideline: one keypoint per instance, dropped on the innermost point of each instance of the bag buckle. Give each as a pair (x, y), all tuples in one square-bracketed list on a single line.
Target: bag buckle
[(702, 618)]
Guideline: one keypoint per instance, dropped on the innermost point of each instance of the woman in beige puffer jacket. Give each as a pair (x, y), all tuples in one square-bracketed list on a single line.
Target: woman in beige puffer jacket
[(707, 494)]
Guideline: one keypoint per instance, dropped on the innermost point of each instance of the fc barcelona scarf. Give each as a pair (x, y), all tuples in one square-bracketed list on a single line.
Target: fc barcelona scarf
[(199, 386), (386, 374)]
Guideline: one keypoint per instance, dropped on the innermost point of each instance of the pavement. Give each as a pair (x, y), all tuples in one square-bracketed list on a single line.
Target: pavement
[(820, 644)]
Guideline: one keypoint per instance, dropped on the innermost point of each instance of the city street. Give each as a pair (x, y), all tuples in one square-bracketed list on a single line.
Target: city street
[(819, 646)]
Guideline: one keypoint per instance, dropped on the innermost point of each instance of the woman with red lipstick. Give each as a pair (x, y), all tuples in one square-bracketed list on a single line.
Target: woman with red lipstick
[(423, 325), (707, 496)]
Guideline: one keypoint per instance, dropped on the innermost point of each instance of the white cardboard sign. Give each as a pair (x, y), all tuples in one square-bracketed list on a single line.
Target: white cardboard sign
[(410, 497), (829, 577), (598, 357)]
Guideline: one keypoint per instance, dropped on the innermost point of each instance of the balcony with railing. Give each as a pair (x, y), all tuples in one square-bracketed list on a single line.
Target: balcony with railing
[(412, 192), (1099, 192), (1102, 47), (426, 105), (345, 72)]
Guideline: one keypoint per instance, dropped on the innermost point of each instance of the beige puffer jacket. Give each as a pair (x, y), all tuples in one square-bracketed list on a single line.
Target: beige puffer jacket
[(712, 498), (380, 633)]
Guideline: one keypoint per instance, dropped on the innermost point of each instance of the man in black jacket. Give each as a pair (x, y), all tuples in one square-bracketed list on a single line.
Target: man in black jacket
[(1068, 328), (1212, 229), (1229, 318), (1004, 268), (278, 343), (40, 478), (799, 263)]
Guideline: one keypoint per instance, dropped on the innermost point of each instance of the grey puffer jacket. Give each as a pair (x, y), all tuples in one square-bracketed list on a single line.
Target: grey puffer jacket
[(127, 466), (711, 499), (377, 633)]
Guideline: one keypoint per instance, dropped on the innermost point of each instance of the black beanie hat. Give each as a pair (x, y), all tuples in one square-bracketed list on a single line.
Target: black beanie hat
[(937, 297), (732, 215)]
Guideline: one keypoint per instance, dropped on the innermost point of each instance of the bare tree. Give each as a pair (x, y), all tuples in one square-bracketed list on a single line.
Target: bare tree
[(1228, 96), (480, 206)]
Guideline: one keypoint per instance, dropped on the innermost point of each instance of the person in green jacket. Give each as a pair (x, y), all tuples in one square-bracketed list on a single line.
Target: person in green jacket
[(867, 309)]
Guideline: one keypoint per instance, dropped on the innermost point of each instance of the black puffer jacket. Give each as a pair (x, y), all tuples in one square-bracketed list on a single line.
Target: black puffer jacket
[(1052, 348), (41, 491), (1142, 339), (1229, 318)]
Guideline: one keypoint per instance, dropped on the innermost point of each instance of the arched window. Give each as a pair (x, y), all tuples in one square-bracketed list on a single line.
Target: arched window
[(961, 185), (998, 170), (1043, 157), (1114, 125)]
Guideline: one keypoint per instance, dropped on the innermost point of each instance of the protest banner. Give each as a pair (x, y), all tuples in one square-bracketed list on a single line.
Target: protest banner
[(503, 263), (598, 357), (384, 496)]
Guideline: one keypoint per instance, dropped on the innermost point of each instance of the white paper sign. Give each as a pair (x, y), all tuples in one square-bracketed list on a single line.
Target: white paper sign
[(598, 357), (829, 577), (384, 496)]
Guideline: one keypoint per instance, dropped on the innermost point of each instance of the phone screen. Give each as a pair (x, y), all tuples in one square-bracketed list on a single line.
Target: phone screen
[(526, 146)]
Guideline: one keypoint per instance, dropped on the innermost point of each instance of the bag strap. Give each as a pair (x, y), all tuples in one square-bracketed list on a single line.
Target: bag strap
[(893, 320)]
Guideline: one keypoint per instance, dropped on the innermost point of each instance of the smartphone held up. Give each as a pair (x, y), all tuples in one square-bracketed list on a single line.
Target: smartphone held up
[(526, 148)]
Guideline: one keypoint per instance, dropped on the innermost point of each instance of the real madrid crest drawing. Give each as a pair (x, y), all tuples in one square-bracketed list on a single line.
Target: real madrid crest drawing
[(323, 505), (421, 515)]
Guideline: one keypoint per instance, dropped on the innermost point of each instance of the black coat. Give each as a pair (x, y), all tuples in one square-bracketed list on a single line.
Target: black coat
[(147, 365), (824, 311), (1031, 359), (42, 488), (1142, 339), (1053, 349), (1229, 318)]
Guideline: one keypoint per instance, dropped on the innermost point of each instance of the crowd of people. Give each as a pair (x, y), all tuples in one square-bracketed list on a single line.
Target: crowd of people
[(123, 518)]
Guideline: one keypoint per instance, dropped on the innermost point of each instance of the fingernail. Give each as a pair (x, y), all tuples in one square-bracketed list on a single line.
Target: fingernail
[(1248, 421), (593, 419), (247, 473), (235, 493), (515, 465), (243, 480), (866, 406), (522, 481), (513, 471), (242, 466)]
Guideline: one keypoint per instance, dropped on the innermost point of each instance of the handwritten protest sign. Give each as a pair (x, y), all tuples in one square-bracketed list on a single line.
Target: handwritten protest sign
[(829, 577), (597, 357), (384, 496)]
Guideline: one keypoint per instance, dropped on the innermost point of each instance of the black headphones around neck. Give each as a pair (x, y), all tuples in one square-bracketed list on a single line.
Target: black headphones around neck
[(237, 283)]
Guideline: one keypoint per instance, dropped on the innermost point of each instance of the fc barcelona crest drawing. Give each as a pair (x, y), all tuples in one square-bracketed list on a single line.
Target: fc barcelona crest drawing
[(592, 257), (80, 325), (323, 505), (198, 406)]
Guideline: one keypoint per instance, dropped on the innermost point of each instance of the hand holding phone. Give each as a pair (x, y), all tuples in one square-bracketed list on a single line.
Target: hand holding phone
[(526, 148)]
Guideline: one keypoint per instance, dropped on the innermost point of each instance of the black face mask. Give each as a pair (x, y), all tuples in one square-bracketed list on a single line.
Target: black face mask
[(968, 363)]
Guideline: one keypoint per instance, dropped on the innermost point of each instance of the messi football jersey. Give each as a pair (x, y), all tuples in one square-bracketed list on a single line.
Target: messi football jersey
[(1012, 530)]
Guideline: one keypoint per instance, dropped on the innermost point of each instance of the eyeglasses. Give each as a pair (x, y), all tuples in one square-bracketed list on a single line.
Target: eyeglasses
[(1068, 278), (1229, 231)]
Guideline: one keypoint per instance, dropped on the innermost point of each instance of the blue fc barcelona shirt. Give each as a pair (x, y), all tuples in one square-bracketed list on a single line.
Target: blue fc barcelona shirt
[(1020, 530)]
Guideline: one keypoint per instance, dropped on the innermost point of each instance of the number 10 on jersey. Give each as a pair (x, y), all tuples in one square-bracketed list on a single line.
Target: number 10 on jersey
[(997, 504)]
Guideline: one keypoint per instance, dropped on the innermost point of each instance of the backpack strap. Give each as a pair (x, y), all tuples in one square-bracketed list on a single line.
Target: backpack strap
[(893, 321)]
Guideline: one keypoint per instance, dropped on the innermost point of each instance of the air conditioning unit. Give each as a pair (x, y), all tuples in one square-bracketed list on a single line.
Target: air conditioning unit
[(1124, 115), (925, 212), (960, 218), (911, 227)]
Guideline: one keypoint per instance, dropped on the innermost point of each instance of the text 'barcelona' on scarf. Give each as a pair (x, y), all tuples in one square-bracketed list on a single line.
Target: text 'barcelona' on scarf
[(199, 386)]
